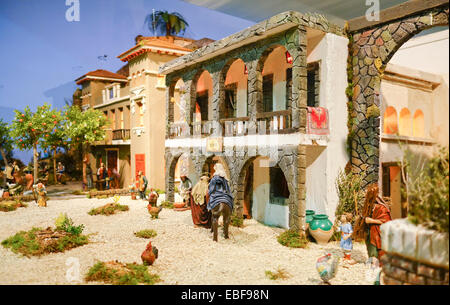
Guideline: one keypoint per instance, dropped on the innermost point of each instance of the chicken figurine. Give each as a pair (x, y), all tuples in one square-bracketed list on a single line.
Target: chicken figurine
[(153, 198), (327, 266), (154, 211), (149, 255)]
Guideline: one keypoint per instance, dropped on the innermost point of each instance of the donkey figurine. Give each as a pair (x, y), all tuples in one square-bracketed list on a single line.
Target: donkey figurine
[(224, 210)]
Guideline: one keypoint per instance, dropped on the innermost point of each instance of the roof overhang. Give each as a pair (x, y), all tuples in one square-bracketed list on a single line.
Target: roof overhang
[(141, 49), (274, 25), (85, 78)]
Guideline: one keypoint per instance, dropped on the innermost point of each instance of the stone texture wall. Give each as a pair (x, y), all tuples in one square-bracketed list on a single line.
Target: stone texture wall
[(402, 271), (371, 51), (414, 254), (290, 158)]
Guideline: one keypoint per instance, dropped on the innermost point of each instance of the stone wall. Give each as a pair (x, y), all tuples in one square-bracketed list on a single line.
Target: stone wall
[(400, 271), (414, 254)]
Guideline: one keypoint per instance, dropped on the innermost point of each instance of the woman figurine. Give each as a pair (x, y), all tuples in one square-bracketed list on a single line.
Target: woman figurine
[(346, 230), (185, 190), (41, 194), (200, 214)]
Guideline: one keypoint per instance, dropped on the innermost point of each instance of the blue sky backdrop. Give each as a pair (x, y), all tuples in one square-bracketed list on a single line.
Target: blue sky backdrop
[(41, 53)]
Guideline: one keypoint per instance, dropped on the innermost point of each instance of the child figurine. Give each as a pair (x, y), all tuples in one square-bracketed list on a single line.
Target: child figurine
[(346, 230)]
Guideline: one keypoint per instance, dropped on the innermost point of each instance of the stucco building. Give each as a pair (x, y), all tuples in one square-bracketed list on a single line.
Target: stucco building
[(267, 103)]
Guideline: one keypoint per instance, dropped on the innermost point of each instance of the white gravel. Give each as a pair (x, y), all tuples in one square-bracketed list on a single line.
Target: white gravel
[(187, 255)]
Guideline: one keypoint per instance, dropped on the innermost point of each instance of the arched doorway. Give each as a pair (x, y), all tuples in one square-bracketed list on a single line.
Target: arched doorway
[(264, 193), (371, 50), (208, 166)]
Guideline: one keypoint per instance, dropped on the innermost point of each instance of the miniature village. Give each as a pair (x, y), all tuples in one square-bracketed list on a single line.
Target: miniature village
[(297, 151)]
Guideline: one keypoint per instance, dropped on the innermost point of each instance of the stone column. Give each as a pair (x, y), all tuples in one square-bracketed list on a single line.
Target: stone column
[(169, 109), (218, 98), (169, 179), (297, 47), (254, 92)]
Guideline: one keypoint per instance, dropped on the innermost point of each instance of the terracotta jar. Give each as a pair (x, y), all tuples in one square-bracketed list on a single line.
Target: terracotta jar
[(321, 228), (309, 217)]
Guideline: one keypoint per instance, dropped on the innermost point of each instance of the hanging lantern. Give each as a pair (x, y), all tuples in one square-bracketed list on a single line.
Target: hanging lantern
[(289, 58), (245, 70)]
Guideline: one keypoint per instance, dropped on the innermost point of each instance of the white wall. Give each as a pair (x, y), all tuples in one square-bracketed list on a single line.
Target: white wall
[(322, 172)]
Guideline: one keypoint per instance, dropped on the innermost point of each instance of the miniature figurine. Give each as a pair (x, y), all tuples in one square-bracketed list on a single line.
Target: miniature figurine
[(41, 193), (346, 230)]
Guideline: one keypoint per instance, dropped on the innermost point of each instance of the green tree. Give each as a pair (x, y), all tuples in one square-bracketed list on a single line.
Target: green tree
[(56, 139), (29, 128), (6, 143), (165, 22), (84, 127)]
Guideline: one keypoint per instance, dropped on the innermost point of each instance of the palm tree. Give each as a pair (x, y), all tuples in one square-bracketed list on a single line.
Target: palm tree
[(165, 22)]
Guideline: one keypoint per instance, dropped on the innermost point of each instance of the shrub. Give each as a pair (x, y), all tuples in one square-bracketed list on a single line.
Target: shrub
[(146, 233), (64, 223), (37, 242), (236, 221), (350, 193), (292, 239), (428, 192), (117, 273), (279, 274), (108, 209), (167, 204)]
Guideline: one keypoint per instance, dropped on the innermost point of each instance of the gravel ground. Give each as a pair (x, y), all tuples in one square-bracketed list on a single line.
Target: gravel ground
[(187, 255)]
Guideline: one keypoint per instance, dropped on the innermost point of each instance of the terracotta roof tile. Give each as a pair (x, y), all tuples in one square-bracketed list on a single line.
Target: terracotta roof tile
[(100, 73)]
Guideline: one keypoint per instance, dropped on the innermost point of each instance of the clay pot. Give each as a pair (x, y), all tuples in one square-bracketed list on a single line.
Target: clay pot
[(178, 205), (321, 229), (309, 217)]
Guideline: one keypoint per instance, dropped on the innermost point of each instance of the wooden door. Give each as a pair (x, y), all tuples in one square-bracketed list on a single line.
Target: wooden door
[(140, 163), (112, 157)]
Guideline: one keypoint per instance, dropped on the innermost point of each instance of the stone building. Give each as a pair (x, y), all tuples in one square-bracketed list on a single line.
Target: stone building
[(269, 104)]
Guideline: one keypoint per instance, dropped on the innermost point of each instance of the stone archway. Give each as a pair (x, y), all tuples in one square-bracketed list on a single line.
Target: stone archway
[(242, 184), (371, 50)]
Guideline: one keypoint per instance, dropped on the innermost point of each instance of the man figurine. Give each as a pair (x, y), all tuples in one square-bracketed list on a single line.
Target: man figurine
[(101, 176), (60, 169), (185, 190), (142, 180), (40, 193)]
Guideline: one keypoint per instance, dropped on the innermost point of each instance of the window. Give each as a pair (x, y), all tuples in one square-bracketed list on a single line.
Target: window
[(141, 114), (202, 101), (113, 115), (313, 84), (418, 124), (404, 123), (230, 100), (122, 123), (268, 93), (390, 125), (288, 87), (278, 186), (111, 93)]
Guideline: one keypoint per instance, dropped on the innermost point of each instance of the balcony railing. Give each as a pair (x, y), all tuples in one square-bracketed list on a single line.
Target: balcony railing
[(179, 129), (276, 121), (203, 128), (235, 126), (121, 134)]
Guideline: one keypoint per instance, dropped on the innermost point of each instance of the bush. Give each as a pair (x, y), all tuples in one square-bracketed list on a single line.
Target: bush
[(428, 192), (146, 233), (279, 274), (37, 242), (64, 223), (292, 239), (167, 204), (117, 273), (350, 193), (9, 206), (237, 221), (108, 209)]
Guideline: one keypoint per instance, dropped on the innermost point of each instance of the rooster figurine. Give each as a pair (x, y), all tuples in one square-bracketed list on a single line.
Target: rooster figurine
[(153, 197), (149, 255), (154, 211), (327, 267)]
